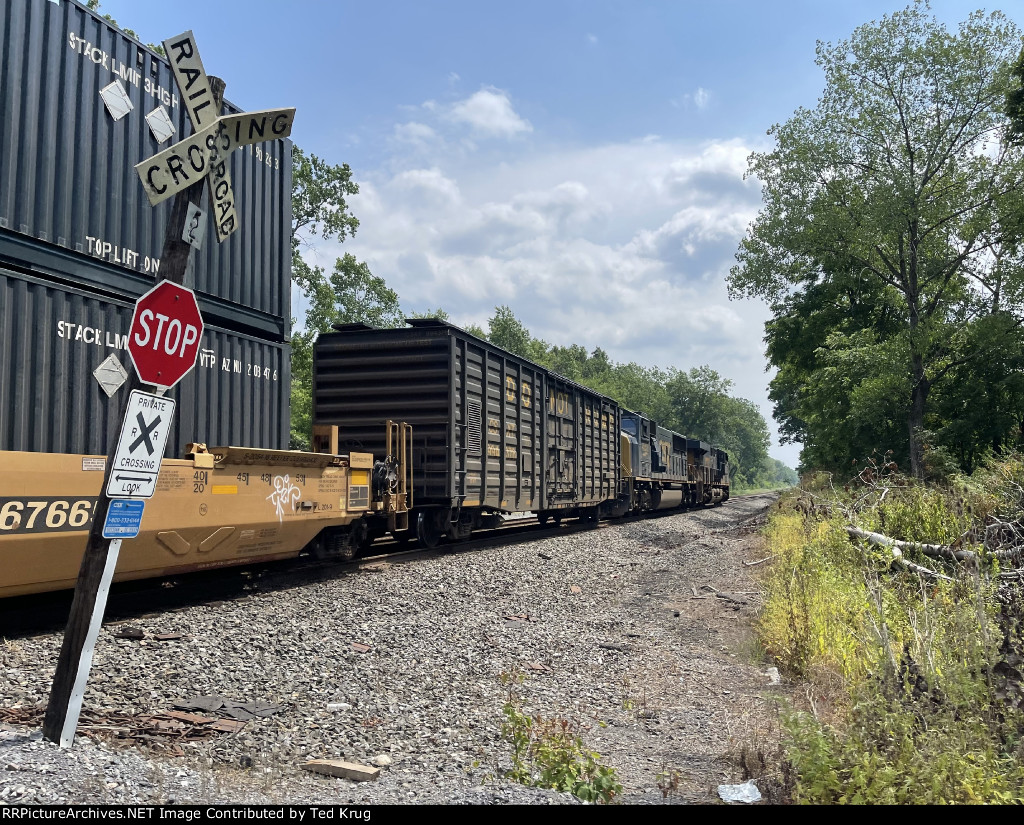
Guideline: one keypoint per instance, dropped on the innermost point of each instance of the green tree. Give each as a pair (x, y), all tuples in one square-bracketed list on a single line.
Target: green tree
[(508, 332), (352, 294), (349, 293), (438, 314), (641, 389), (478, 331), (698, 402), (900, 175), (701, 407), (809, 326), (319, 209)]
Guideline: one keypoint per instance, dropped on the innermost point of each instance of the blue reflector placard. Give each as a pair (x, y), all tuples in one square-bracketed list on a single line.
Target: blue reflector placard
[(124, 518)]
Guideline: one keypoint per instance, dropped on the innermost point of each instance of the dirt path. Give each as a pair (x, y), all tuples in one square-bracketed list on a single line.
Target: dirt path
[(703, 708)]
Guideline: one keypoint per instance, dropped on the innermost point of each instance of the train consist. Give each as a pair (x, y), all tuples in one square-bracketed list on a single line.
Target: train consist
[(425, 432), (494, 434)]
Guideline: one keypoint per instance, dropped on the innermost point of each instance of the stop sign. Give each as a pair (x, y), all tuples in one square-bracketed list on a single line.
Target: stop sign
[(164, 338)]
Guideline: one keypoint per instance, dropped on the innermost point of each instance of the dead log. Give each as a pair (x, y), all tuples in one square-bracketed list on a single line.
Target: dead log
[(898, 546), (941, 551)]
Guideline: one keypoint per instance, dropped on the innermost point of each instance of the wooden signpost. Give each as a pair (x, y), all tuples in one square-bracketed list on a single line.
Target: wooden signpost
[(177, 171)]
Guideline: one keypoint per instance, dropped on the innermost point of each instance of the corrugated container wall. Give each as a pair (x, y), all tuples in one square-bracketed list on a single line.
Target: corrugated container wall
[(54, 337), (67, 176), (490, 429)]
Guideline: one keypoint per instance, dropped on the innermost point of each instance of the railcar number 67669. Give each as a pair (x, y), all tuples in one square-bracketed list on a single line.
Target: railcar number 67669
[(41, 514)]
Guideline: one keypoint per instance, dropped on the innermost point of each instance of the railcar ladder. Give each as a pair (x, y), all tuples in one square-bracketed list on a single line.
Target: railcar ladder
[(398, 444)]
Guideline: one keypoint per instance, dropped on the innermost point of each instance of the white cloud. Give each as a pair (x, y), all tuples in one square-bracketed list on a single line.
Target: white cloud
[(602, 228), (426, 186), (416, 134), (489, 112), (698, 99), (623, 245)]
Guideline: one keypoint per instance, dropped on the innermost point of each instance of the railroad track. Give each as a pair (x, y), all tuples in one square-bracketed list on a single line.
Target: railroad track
[(23, 616)]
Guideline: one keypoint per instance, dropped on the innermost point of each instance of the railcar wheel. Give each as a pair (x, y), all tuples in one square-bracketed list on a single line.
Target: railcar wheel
[(338, 545), (430, 528), (362, 538)]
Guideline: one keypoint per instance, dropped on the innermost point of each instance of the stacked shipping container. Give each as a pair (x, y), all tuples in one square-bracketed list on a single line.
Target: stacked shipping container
[(81, 103)]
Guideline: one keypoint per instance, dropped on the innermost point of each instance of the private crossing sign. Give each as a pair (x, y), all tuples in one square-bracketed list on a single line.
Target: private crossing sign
[(140, 447), (205, 153)]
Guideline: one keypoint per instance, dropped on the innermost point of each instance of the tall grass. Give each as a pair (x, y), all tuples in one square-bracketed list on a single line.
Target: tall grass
[(914, 681)]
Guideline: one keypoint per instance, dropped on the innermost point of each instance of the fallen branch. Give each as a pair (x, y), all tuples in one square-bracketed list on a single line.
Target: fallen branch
[(719, 594), (897, 556), (942, 551), (759, 561)]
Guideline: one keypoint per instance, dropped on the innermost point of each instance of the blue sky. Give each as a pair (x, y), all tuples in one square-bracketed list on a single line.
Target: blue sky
[(580, 161)]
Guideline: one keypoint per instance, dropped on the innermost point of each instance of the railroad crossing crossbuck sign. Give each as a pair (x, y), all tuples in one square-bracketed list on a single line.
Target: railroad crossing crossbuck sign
[(140, 447), (205, 153), (164, 337)]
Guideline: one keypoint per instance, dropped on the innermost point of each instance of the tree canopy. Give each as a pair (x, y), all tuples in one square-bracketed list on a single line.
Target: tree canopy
[(887, 244)]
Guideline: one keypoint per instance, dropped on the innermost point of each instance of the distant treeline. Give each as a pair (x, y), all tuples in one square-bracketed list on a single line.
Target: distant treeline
[(695, 403)]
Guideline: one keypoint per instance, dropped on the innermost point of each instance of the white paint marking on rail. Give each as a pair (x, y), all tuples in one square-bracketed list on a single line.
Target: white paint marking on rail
[(67, 734)]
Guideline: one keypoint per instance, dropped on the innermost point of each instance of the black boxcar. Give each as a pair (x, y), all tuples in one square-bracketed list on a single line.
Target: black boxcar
[(493, 433)]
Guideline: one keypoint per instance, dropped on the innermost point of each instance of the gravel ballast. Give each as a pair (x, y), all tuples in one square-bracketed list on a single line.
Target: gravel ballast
[(638, 632)]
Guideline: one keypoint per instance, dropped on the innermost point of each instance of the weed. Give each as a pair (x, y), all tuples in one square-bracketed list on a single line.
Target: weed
[(548, 752), (925, 674), (668, 782), (11, 652), (761, 756), (636, 705)]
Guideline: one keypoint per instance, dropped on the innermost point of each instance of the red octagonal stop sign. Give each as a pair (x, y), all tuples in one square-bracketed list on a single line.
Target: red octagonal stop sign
[(166, 330)]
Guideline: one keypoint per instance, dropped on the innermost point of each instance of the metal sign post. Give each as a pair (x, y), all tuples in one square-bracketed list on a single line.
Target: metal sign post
[(179, 170)]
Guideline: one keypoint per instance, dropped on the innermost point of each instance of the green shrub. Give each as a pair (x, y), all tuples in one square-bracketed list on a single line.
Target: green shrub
[(813, 601), (931, 669), (890, 753), (548, 752)]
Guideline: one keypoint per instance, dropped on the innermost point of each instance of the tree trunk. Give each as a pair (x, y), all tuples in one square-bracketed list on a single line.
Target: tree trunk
[(915, 419)]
